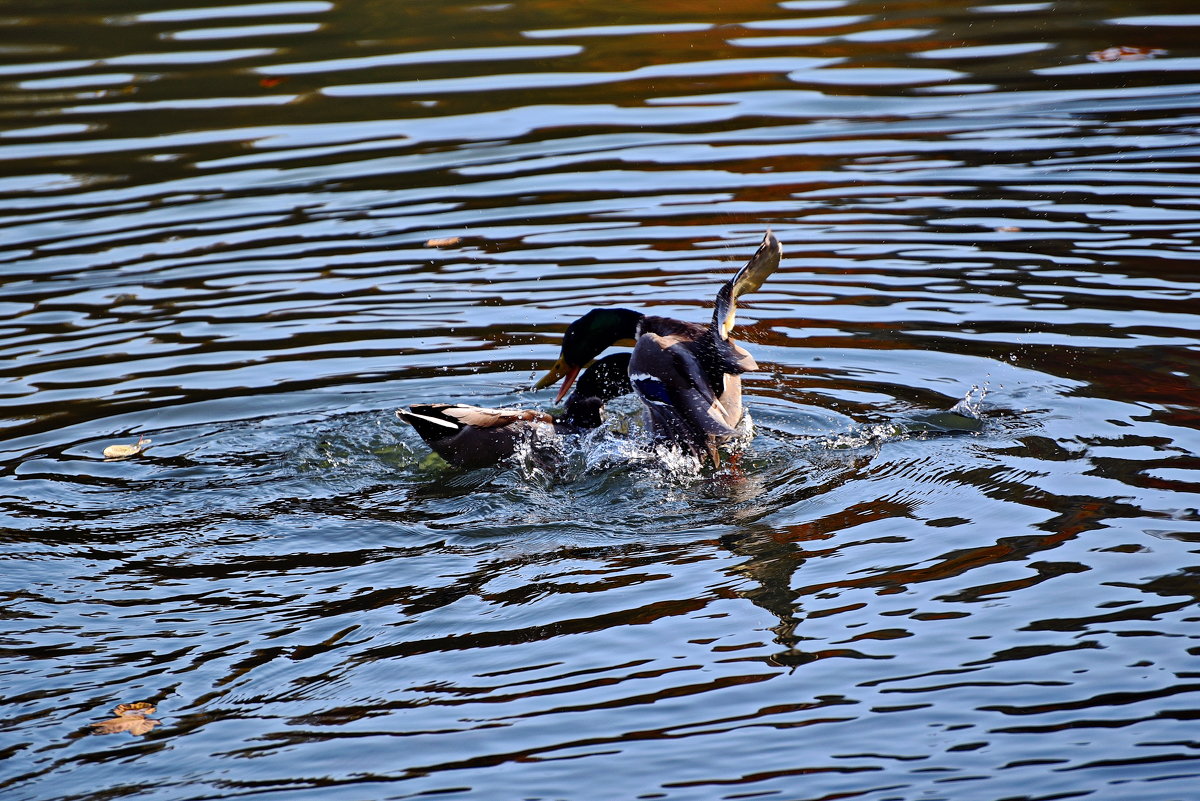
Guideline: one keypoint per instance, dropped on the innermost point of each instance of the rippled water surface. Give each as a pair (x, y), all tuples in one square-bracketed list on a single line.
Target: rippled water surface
[(215, 232)]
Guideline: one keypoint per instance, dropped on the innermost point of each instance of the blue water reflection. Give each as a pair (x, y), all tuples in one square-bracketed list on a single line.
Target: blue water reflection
[(958, 560)]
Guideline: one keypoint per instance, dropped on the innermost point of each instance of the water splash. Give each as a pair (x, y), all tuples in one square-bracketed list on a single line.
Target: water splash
[(971, 404), (865, 436), (621, 445)]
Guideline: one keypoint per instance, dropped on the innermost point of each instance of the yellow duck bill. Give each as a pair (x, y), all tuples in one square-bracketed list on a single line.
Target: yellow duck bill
[(559, 370)]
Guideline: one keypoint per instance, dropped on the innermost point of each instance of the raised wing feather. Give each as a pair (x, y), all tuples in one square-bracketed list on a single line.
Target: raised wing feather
[(764, 262)]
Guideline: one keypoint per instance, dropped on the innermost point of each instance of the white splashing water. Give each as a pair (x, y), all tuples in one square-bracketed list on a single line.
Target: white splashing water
[(971, 404), (620, 443), (866, 436)]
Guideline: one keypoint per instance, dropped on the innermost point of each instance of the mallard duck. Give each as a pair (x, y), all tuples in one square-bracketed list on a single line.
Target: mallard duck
[(470, 436), (688, 375)]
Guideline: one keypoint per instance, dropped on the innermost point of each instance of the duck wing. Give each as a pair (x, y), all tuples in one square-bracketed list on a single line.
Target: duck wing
[(479, 417), (472, 436), (716, 356), (682, 404), (449, 418)]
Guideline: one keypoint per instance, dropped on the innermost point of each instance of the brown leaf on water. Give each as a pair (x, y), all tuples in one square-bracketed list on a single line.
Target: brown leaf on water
[(136, 708), (125, 451), (444, 242), (129, 717)]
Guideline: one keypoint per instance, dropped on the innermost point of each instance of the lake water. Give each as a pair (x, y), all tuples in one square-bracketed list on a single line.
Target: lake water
[(215, 226)]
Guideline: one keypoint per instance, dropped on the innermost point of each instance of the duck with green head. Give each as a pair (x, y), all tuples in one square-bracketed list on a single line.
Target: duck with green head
[(687, 375)]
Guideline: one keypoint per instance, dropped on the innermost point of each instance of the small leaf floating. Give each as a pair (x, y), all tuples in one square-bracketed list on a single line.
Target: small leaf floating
[(125, 451), (132, 718), (443, 242)]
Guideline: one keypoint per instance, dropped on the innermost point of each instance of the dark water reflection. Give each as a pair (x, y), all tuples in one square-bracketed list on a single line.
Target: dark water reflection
[(215, 226)]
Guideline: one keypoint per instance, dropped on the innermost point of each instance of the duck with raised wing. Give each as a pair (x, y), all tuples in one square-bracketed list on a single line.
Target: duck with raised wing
[(471, 436), (688, 375)]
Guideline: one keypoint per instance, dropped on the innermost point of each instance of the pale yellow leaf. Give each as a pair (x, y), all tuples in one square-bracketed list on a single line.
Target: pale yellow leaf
[(125, 451)]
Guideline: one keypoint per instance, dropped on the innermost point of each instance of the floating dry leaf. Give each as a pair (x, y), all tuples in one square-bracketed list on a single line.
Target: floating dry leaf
[(125, 451), (136, 708), (444, 242), (1005, 228), (129, 717)]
